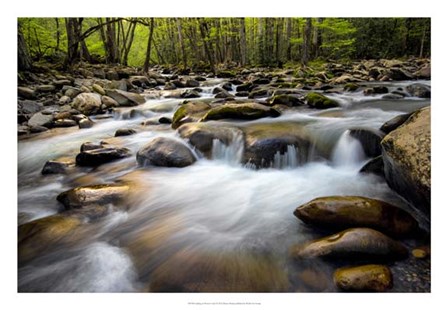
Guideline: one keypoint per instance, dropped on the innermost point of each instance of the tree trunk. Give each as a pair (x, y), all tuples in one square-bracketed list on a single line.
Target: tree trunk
[(306, 41), (317, 38), (148, 47), (129, 39), (24, 60), (243, 45), (422, 43), (181, 42), (288, 37), (73, 28), (205, 39), (58, 34)]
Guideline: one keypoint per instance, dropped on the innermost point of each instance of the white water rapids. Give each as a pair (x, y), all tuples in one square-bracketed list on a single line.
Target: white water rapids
[(216, 205)]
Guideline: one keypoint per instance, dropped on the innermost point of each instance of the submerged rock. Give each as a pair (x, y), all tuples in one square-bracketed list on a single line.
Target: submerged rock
[(319, 101), (375, 166), (125, 132), (407, 159), (286, 99), (367, 278), (394, 123), (353, 244), (165, 152), (247, 111), (96, 157), (101, 194), (57, 166), (341, 212), (194, 271), (264, 141), (419, 90), (201, 135), (370, 140)]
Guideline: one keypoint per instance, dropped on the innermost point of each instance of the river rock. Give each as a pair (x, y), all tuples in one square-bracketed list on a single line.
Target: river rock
[(407, 159), (289, 100), (109, 102), (36, 236), (40, 119), (264, 141), (370, 140), (58, 166), (189, 112), (245, 87), (201, 272), (101, 194), (394, 123), (224, 94), (260, 93), (191, 83), (85, 123), (71, 92), (169, 86), (342, 212), (351, 87), (190, 93), (98, 89), (124, 98), (165, 152), (367, 278), (96, 157), (141, 81), (424, 72), (375, 166), (248, 111), (64, 123), (26, 93), (201, 135), (419, 90), (87, 103), (45, 88), (37, 129), (352, 244), (29, 106), (319, 101), (125, 132), (88, 146), (398, 74)]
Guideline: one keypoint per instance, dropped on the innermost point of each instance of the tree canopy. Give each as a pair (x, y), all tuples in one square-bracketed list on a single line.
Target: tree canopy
[(208, 42)]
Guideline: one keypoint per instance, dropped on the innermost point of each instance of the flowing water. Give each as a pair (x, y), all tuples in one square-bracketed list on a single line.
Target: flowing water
[(217, 220)]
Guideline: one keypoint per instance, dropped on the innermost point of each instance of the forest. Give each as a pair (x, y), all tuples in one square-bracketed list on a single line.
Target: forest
[(208, 42)]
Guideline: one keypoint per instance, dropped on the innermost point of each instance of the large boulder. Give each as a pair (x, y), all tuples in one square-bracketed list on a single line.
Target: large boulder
[(366, 278), (319, 101), (424, 72), (407, 159), (87, 103), (263, 142), (249, 111), (398, 74), (165, 152), (101, 194), (202, 135), (352, 244), (93, 158), (395, 122), (342, 212), (124, 98), (370, 140)]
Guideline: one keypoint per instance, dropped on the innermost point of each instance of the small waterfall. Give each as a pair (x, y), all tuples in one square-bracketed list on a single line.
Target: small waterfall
[(232, 153), (348, 151), (286, 160)]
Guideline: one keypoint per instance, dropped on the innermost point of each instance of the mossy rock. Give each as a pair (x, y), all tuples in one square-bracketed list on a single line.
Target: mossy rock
[(341, 212), (226, 74), (366, 278), (351, 87), (189, 111), (286, 99), (319, 101), (247, 111)]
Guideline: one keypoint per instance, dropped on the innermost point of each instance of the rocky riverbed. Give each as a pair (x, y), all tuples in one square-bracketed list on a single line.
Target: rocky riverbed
[(253, 180)]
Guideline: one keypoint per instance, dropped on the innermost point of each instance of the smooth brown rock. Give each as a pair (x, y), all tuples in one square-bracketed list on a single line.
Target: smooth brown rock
[(342, 212), (367, 278)]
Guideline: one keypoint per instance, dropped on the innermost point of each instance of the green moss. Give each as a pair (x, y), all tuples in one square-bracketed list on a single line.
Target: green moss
[(351, 87), (319, 101), (240, 111)]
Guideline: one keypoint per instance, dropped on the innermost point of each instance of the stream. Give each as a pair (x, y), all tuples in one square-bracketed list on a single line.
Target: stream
[(217, 225)]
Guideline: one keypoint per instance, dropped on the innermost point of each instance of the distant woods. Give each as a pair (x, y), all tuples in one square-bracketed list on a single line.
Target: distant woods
[(205, 43)]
